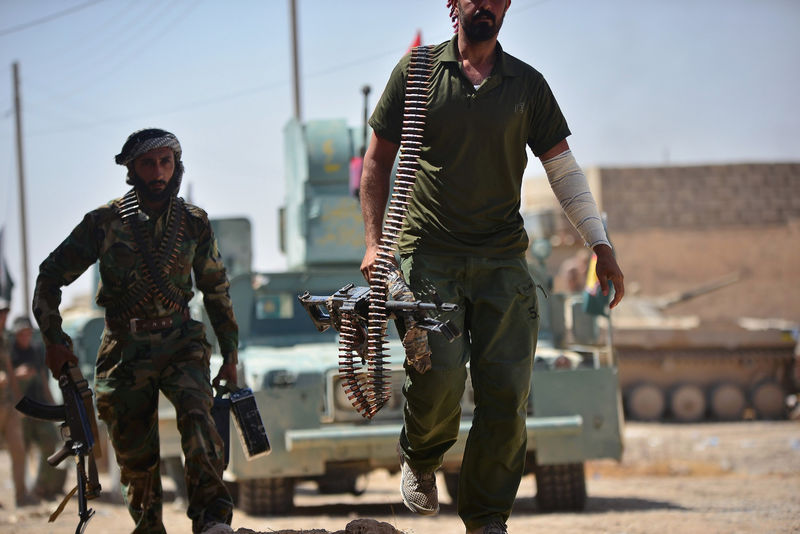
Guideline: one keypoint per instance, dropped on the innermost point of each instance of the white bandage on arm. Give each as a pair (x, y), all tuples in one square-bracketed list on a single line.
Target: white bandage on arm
[(572, 191)]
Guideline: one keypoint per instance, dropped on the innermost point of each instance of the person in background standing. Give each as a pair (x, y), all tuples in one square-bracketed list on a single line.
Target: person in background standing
[(10, 419)]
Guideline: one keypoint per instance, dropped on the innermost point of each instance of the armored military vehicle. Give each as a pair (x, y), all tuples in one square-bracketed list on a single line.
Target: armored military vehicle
[(677, 367), (315, 433)]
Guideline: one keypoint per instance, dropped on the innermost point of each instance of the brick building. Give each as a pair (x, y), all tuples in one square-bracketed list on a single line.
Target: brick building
[(678, 227)]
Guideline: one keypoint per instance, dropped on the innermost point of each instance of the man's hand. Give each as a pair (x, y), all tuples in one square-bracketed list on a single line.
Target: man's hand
[(368, 263), (56, 356), (607, 271), (227, 372)]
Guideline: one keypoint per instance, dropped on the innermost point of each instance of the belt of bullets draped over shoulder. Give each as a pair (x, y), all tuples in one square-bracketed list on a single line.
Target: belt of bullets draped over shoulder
[(154, 282), (369, 390)]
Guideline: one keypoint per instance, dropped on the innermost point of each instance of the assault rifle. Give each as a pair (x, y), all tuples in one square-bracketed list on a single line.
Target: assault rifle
[(79, 429)]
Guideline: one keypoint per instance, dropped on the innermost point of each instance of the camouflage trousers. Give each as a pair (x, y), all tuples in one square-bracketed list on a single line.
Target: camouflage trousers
[(131, 370), (498, 316)]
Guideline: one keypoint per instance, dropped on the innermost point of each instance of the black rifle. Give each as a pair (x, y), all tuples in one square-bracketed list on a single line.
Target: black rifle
[(78, 428)]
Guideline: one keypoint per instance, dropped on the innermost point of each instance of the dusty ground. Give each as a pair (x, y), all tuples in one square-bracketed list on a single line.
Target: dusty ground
[(731, 477)]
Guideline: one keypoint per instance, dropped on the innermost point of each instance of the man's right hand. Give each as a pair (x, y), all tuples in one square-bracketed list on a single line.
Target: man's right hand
[(56, 356), (368, 263)]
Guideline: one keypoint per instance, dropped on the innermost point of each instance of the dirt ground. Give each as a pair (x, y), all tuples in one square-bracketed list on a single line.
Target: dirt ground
[(704, 478)]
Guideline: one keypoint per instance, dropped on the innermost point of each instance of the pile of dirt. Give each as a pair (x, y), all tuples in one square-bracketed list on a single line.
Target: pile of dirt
[(357, 526)]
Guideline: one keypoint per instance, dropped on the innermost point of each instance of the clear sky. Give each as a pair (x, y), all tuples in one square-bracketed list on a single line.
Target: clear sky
[(641, 82)]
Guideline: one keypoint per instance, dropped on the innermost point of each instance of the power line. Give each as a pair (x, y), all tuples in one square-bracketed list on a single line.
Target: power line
[(48, 18), (131, 47), (216, 99), (229, 96)]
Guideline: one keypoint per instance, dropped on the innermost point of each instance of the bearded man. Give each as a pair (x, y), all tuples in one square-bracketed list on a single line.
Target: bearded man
[(148, 243), (464, 235)]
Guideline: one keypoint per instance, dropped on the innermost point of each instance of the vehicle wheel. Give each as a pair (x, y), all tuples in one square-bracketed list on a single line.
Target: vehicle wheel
[(560, 487), (266, 496), (688, 403), (451, 482), (727, 402), (768, 400), (646, 402)]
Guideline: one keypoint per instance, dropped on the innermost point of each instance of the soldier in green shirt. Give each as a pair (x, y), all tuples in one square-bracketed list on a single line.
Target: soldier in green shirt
[(149, 244), (464, 235)]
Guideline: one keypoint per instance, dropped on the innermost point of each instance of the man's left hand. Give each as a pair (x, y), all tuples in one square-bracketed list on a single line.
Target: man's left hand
[(608, 271), (227, 372)]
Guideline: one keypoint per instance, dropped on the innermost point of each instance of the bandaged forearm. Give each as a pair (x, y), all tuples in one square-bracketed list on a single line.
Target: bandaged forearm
[(572, 191)]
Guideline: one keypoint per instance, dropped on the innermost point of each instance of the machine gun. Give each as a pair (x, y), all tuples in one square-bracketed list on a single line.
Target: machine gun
[(328, 311), (78, 428), (351, 311)]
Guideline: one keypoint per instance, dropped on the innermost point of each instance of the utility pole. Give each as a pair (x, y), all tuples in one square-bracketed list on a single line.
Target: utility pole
[(21, 175), (295, 61)]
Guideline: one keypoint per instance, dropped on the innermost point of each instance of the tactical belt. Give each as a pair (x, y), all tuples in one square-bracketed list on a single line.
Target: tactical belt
[(135, 325)]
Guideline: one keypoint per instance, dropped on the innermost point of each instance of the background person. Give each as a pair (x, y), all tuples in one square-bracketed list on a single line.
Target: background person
[(10, 420), (30, 371)]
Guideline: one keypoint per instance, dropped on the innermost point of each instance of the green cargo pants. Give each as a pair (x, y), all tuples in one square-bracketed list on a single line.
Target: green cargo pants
[(131, 370), (498, 317)]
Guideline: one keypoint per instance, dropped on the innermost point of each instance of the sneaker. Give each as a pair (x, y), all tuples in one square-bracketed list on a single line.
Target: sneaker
[(214, 527), (418, 489), (495, 527)]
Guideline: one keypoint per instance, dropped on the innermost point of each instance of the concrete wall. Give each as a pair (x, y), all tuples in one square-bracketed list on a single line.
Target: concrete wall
[(675, 228), (700, 197)]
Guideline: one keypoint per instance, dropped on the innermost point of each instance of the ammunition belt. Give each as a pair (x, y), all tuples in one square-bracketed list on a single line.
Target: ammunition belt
[(369, 391), (157, 263)]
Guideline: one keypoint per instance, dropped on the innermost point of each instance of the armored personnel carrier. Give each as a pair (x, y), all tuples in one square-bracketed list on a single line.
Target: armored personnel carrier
[(683, 369)]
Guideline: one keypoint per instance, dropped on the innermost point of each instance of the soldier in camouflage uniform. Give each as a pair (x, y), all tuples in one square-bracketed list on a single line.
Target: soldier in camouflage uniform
[(149, 242)]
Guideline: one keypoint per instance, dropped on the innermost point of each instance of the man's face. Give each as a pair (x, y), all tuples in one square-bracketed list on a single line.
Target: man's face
[(481, 19), (154, 170), (23, 338)]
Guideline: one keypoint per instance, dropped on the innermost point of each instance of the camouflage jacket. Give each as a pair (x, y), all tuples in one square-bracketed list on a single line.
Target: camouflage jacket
[(103, 236)]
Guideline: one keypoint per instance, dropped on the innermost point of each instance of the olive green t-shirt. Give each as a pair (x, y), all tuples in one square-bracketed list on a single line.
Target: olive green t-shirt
[(466, 197)]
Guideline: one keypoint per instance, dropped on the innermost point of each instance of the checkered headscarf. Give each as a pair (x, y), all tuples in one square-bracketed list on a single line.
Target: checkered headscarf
[(144, 141), (452, 4)]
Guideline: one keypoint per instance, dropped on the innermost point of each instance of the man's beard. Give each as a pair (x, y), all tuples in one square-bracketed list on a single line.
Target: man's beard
[(478, 31), (155, 196)]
